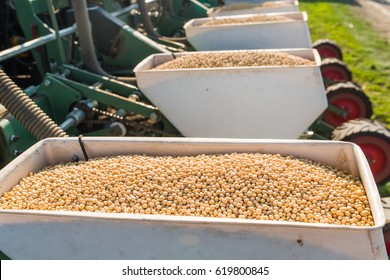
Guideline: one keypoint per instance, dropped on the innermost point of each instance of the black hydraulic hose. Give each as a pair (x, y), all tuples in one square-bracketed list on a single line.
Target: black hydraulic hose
[(84, 31), (32, 117)]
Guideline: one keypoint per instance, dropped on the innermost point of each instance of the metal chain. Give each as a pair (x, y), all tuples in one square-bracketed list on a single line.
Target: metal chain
[(132, 124)]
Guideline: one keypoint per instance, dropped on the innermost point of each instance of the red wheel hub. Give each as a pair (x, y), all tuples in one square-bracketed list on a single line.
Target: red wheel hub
[(328, 52), (349, 102), (387, 241), (377, 152), (375, 157), (334, 73)]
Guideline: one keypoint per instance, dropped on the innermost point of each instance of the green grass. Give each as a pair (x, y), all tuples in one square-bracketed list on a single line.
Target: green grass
[(365, 52)]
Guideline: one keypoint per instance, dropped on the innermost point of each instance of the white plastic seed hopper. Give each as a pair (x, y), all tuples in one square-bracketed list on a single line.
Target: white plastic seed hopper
[(242, 9), (236, 102), (34, 234), (252, 35)]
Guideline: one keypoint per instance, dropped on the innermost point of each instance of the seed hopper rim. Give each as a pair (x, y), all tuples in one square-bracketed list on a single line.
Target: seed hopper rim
[(297, 17), (316, 58), (364, 172)]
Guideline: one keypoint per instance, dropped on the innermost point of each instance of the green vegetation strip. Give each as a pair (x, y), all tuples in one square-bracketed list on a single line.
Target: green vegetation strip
[(364, 51)]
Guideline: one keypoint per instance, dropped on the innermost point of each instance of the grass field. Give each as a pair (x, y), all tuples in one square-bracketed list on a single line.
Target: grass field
[(365, 52)]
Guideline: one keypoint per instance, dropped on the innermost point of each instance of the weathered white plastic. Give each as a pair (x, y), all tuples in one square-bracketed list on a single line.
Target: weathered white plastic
[(32, 234), (236, 102), (286, 6), (254, 35)]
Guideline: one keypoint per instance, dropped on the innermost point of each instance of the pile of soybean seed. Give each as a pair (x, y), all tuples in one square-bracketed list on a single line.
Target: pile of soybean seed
[(234, 59), (238, 185), (249, 19), (275, 4), (242, 6)]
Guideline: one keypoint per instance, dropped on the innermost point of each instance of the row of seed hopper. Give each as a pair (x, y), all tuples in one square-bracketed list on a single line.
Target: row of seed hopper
[(220, 102), (221, 110), (271, 25), (245, 102)]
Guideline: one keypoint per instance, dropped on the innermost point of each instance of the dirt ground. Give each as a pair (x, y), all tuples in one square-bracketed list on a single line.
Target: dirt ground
[(377, 12)]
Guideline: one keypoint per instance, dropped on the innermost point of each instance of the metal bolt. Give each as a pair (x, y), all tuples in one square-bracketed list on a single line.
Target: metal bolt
[(134, 96), (153, 116), (66, 72), (16, 153), (47, 83), (14, 138), (118, 129), (75, 158)]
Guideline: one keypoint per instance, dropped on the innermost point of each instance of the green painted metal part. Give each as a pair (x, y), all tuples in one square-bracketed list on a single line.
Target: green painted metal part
[(109, 5), (59, 96), (64, 85), (85, 77), (171, 26), (210, 3), (336, 110), (15, 138), (4, 256), (96, 92), (38, 18), (110, 92), (60, 92), (107, 91), (47, 58), (53, 98), (53, 19), (321, 130), (193, 9), (167, 24), (32, 44), (130, 48)]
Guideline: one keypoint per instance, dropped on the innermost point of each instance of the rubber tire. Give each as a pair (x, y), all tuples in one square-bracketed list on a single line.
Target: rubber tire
[(350, 97), (328, 49), (374, 139), (333, 69)]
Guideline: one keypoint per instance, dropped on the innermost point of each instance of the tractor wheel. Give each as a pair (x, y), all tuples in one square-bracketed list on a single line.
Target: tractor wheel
[(333, 69), (348, 97), (328, 49), (374, 140)]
